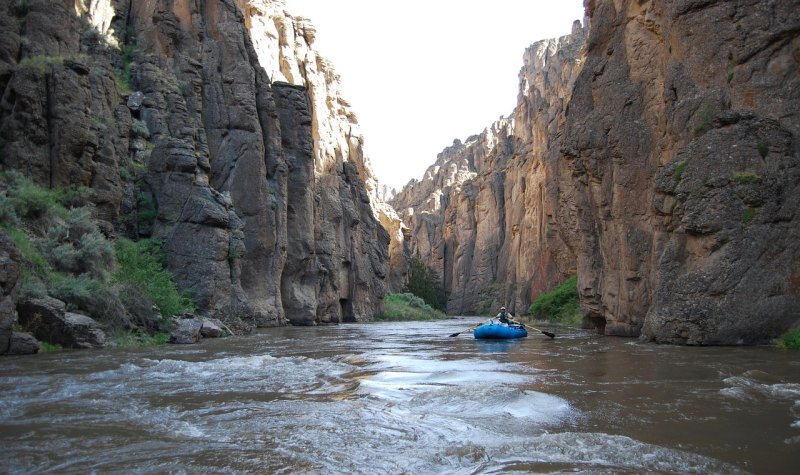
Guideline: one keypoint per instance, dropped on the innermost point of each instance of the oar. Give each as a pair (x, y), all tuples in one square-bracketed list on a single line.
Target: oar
[(551, 335), (467, 330)]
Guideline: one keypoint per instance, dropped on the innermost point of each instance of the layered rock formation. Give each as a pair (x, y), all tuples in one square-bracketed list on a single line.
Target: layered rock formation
[(246, 165), (483, 216), (660, 163), (682, 134)]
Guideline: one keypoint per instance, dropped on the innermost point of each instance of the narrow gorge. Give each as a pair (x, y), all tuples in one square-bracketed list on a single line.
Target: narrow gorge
[(653, 152)]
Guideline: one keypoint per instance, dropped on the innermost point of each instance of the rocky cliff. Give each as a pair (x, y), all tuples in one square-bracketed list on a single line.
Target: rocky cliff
[(658, 160), (682, 135), (484, 215), (213, 127)]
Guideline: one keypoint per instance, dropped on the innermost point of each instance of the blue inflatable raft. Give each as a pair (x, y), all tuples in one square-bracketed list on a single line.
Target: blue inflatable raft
[(499, 331)]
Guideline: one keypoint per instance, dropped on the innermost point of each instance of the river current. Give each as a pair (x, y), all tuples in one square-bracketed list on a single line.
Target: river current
[(402, 398)]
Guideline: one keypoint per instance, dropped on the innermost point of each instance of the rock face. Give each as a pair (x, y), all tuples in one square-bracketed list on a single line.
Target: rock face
[(483, 216), (660, 162), (186, 129), (682, 134), (10, 283), (47, 319)]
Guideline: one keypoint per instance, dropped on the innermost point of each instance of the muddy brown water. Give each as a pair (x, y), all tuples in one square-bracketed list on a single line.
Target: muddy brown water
[(403, 398)]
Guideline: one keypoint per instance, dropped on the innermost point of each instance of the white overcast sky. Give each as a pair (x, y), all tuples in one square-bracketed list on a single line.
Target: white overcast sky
[(420, 73)]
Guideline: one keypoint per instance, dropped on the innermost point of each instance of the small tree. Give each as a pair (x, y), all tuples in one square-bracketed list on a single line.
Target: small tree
[(425, 284)]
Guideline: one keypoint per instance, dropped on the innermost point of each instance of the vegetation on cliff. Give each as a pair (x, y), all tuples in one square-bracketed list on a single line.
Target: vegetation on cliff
[(560, 304), (66, 256), (790, 340), (407, 306), (424, 283)]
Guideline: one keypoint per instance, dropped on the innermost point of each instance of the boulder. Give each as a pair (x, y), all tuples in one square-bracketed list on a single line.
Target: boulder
[(47, 319), (23, 344), (82, 332), (186, 332), (210, 329)]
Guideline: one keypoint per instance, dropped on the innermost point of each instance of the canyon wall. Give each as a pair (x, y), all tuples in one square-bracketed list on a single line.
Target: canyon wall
[(213, 127), (655, 155), (484, 215), (682, 134)]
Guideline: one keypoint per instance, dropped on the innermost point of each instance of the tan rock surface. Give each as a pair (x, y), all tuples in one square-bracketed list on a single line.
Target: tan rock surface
[(660, 163), (483, 214)]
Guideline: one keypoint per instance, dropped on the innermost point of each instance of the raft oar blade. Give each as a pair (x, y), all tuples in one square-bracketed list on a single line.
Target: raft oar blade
[(550, 334), (467, 330)]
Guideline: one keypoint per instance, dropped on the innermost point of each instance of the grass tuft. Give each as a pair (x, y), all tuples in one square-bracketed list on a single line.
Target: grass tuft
[(748, 215), (45, 347), (745, 178), (407, 307), (679, 170)]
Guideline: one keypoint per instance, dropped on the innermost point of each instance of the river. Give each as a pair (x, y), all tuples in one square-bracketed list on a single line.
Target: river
[(402, 398)]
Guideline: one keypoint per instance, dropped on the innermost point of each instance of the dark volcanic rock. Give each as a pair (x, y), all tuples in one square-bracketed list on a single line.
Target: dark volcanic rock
[(47, 319), (168, 113), (10, 283), (23, 344)]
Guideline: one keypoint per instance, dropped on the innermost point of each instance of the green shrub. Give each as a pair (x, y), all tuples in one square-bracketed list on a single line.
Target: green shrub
[(76, 245), (31, 201), (139, 127), (72, 288), (407, 306), (142, 263), (790, 340), (73, 196), (33, 261), (424, 283), (146, 208), (561, 303), (763, 147)]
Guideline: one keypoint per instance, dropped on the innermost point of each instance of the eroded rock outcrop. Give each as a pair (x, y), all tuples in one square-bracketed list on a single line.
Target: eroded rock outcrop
[(185, 129), (47, 319), (682, 134), (483, 216), (660, 163)]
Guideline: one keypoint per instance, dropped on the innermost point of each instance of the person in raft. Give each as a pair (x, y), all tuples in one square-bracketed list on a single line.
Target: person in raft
[(505, 317)]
